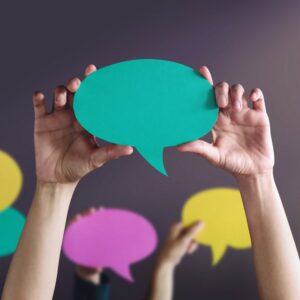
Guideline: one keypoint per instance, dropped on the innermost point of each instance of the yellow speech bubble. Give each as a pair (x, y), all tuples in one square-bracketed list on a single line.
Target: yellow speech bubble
[(225, 224), (10, 180)]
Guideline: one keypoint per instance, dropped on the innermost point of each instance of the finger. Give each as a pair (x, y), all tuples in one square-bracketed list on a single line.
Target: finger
[(204, 149), (236, 97), (73, 84), (191, 232), (88, 211), (60, 98), (175, 231), (193, 246), (102, 155), (89, 70), (244, 102), (74, 219), (257, 97), (39, 105), (222, 91), (204, 71), (94, 140)]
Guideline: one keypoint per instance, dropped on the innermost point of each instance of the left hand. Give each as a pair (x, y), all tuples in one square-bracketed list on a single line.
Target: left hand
[(64, 151)]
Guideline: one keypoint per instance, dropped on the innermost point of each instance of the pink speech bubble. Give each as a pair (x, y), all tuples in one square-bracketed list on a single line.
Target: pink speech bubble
[(110, 238)]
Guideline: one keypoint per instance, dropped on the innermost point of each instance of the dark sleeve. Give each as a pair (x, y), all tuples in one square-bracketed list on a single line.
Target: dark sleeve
[(84, 290)]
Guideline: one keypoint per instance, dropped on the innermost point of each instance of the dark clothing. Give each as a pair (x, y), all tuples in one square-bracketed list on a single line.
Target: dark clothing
[(85, 290)]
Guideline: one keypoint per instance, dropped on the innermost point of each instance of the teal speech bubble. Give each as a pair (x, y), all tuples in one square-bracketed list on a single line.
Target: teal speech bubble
[(146, 103), (11, 226)]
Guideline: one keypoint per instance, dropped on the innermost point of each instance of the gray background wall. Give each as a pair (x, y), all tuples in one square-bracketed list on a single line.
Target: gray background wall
[(254, 42)]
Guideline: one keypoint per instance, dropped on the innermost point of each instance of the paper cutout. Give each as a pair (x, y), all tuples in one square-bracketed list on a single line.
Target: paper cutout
[(146, 103), (11, 226), (10, 179), (225, 224), (110, 238)]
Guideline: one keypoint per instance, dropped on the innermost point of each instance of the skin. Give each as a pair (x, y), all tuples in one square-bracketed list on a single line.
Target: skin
[(179, 242), (64, 153), (242, 145)]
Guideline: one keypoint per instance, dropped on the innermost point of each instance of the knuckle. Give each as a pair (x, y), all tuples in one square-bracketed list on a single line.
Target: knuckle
[(60, 89), (237, 87), (258, 90), (222, 84)]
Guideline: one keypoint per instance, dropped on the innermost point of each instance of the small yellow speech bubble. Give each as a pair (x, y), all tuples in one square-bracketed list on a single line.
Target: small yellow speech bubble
[(10, 180), (225, 224)]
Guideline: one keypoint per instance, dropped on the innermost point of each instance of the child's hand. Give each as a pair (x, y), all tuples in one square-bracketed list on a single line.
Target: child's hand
[(179, 242), (64, 151), (242, 141)]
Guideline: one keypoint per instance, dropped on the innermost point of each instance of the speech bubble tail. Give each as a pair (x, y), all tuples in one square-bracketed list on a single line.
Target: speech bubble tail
[(217, 253), (124, 272), (154, 156)]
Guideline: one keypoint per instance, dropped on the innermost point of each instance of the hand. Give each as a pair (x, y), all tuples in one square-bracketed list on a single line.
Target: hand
[(178, 243), (87, 274), (64, 151), (242, 141)]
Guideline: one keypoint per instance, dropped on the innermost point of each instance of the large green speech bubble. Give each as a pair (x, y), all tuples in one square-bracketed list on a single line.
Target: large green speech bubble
[(146, 103)]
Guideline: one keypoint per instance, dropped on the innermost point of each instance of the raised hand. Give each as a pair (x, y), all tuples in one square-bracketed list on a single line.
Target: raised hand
[(65, 152), (242, 141), (179, 242)]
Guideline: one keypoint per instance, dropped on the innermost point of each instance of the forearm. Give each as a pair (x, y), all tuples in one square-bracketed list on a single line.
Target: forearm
[(33, 271), (161, 287), (275, 254)]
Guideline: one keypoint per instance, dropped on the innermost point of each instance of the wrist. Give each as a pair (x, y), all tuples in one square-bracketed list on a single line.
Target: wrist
[(255, 179), (54, 191), (56, 187), (92, 277), (62, 186), (259, 194), (165, 264)]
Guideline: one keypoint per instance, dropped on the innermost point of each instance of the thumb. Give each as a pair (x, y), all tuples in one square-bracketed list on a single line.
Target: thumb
[(204, 149), (103, 154), (191, 232), (204, 71)]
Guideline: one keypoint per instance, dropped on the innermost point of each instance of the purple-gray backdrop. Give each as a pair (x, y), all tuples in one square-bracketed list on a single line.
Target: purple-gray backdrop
[(254, 42)]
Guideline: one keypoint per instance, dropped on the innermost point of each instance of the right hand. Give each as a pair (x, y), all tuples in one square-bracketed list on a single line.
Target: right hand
[(242, 141), (180, 241)]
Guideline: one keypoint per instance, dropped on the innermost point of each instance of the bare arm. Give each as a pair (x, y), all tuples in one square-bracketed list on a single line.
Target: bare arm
[(64, 154), (178, 243), (33, 270), (242, 145), (275, 255)]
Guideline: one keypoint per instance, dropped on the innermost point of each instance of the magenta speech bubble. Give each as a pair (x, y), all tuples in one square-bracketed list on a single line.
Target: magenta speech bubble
[(110, 238)]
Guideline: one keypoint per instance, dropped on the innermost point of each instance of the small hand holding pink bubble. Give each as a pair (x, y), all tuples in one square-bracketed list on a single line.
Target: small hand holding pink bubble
[(110, 238)]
